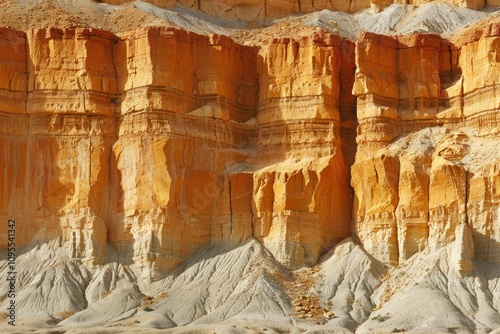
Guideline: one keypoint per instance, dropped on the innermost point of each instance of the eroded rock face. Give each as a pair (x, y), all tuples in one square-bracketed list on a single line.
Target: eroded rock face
[(161, 141), (415, 191), (300, 193), (63, 123), (183, 103), (13, 127)]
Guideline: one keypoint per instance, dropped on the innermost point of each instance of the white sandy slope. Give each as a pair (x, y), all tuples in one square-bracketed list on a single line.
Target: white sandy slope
[(431, 18), (241, 289), (428, 294), (397, 19), (218, 284)]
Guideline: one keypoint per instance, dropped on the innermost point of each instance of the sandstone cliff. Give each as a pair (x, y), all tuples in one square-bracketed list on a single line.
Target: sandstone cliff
[(413, 192), (129, 141), (161, 141), (300, 193), (275, 180)]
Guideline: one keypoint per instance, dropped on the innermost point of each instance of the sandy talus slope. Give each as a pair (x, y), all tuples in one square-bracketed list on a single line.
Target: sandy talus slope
[(434, 17), (241, 288)]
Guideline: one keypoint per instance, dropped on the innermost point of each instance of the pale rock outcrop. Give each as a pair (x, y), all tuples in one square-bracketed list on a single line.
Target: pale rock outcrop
[(375, 183), (250, 10), (412, 212), (463, 252), (447, 191), (483, 208)]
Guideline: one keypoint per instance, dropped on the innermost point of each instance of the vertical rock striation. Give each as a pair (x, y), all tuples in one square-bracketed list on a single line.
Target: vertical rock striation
[(412, 191), (300, 193), (162, 140), (63, 126), (184, 100), (13, 130)]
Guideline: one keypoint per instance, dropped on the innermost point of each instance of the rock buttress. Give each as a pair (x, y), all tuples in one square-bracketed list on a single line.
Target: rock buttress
[(428, 120)]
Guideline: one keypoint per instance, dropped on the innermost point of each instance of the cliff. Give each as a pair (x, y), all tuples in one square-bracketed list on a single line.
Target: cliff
[(161, 141), (301, 197), (414, 191), (274, 180)]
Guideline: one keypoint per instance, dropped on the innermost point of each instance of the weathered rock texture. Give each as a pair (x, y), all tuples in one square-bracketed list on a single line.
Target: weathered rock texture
[(124, 155), (300, 193), (439, 98), (183, 103), (13, 127), (58, 123), (161, 141)]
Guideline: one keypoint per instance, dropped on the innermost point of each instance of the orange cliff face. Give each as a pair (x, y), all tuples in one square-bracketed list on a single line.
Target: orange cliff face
[(441, 172), (397, 84), (57, 137), (301, 193), (13, 128), (161, 141), (184, 100)]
